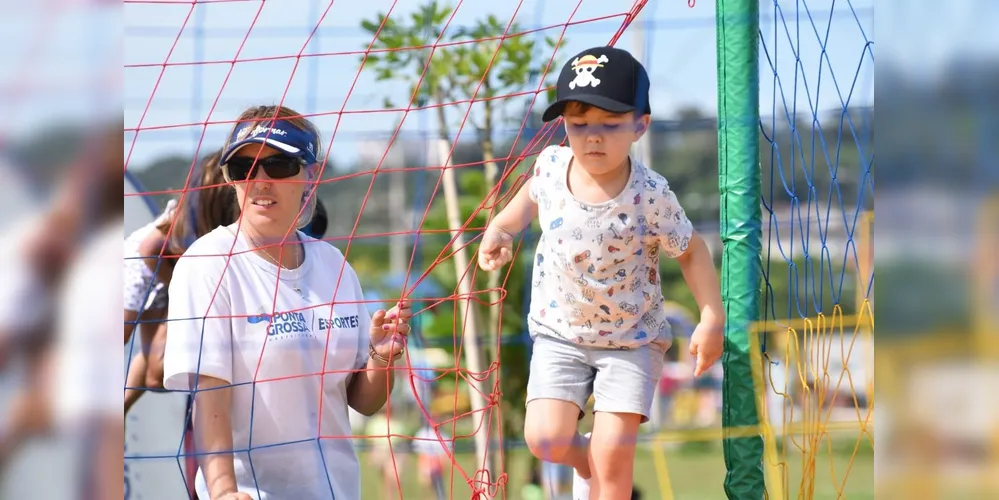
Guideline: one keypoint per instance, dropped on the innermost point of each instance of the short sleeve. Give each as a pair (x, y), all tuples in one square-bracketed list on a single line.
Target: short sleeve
[(363, 327), (675, 228), (199, 324)]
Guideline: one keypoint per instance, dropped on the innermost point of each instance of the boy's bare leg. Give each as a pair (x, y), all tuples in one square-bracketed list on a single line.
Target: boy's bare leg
[(612, 454), (551, 435)]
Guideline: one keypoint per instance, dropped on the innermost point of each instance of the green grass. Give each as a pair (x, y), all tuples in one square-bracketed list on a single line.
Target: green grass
[(696, 473)]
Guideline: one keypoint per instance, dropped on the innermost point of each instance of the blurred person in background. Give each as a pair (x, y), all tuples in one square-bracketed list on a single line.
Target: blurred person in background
[(387, 451), (23, 304), (432, 454), (708, 388), (675, 373), (21, 212), (268, 330), (25, 333), (35, 258), (150, 255), (85, 367)]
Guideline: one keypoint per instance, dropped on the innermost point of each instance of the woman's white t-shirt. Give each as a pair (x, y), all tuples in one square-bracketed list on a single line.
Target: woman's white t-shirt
[(289, 358)]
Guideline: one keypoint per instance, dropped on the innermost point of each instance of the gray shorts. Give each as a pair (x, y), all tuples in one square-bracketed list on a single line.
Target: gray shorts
[(620, 381)]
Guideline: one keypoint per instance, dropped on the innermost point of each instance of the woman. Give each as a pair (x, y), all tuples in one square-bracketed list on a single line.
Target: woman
[(150, 255), (268, 329)]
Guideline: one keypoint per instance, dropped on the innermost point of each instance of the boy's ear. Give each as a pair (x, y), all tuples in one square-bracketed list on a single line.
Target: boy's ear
[(642, 124)]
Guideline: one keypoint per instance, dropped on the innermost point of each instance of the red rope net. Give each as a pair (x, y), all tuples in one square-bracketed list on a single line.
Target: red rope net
[(157, 72)]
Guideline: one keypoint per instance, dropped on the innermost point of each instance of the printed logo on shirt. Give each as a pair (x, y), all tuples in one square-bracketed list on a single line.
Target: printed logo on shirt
[(337, 322), (283, 325)]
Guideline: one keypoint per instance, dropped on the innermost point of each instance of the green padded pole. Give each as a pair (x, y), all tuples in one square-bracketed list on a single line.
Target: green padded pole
[(740, 231)]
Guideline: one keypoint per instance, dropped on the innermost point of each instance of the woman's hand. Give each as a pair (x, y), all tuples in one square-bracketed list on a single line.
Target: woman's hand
[(389, 330)]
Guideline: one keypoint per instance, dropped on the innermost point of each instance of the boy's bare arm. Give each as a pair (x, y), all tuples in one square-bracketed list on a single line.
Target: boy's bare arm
[(706, 342), (699, 272), (517, 214)]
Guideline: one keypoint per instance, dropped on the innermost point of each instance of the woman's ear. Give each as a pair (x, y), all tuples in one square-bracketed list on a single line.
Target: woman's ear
[(311, 175)]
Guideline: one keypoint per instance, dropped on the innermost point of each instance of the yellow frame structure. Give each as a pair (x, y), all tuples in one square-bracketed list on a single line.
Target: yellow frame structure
[(862, 324)]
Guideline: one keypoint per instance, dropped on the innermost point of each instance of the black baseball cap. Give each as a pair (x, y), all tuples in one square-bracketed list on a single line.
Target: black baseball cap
[(606, 77)]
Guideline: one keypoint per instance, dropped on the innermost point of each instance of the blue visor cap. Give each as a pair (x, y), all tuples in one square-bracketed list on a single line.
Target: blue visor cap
[(280, 135)]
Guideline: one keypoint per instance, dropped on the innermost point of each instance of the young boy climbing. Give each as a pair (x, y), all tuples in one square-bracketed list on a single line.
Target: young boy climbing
[(596, 314)]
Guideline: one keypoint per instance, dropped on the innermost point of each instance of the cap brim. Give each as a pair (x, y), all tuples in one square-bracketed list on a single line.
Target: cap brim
[(604, 103), (270, 141)]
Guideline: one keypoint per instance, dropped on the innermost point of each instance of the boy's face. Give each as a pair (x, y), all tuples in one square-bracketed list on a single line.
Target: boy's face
[(601, 140)]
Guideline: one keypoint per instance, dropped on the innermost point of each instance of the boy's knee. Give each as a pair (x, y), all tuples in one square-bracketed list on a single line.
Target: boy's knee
[(549, 442)]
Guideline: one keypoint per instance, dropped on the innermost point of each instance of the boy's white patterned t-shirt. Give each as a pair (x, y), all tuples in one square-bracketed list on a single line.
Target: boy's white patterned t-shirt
[(596, 273)]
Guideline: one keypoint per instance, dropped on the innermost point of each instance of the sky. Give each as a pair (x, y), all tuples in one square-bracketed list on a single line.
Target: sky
[(171, 105), (59, 60), (199, 84)]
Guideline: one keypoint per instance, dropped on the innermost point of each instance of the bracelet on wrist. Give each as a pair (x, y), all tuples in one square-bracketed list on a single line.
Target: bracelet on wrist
[(382, 359)]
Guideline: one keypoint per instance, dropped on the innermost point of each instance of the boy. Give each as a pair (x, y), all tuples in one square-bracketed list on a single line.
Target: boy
[(597, 314)]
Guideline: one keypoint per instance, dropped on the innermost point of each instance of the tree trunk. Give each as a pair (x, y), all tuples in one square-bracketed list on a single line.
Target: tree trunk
[(494, 329), (400, 218), (466, 309)]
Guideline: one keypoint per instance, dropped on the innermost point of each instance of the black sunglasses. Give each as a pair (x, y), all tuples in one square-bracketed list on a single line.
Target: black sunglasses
[(241, 168)]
